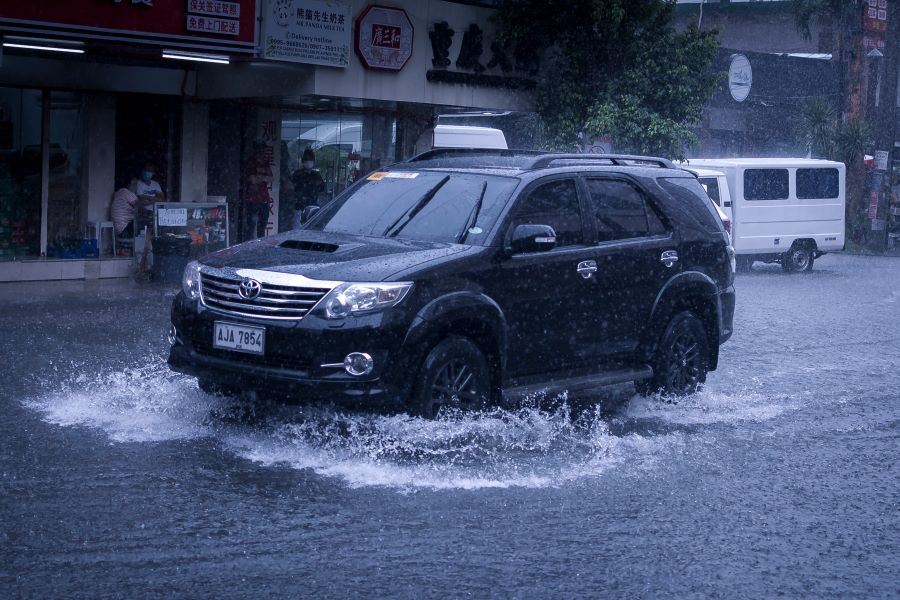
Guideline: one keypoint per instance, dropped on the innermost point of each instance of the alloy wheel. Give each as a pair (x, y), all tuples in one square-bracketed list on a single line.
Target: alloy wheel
[(455, 386)]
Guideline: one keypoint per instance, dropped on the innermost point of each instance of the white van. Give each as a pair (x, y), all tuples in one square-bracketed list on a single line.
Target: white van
[(461, 136), (783, 210)]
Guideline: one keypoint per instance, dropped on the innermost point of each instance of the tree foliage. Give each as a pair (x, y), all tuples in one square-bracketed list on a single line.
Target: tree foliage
[(614, 67)]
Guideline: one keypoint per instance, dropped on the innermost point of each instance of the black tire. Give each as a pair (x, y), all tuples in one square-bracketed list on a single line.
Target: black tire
[(743, 264), (798, 258), (681, 361), (215, 389), (454, 375)]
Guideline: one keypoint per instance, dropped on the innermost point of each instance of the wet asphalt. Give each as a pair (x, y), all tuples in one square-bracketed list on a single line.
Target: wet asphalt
[(121, 479)]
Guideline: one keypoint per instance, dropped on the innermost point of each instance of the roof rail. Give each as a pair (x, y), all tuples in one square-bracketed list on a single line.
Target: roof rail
[(453, 152), (544, 160)]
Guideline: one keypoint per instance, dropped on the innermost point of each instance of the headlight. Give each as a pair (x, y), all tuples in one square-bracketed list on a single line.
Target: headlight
[(352, 298), (190, 281)]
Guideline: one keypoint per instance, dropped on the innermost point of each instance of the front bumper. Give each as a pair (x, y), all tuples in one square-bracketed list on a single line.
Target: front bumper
[(299, 355)]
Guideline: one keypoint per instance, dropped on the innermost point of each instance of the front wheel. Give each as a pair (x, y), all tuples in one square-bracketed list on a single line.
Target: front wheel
[(798, 258), (681, 361), (454, 375)]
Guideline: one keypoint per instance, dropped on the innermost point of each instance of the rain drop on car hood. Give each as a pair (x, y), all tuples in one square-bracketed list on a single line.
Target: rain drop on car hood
[(333, 257)]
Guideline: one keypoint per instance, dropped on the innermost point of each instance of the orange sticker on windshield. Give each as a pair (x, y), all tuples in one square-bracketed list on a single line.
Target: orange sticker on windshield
[(379, 175)]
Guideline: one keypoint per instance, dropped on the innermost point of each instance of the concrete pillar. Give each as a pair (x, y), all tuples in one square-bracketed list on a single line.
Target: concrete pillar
[(194, 151), (99, 169)]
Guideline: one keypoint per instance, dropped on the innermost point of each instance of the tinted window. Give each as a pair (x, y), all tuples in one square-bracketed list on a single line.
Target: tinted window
[(428, 206), (619, 211), (712, 188), (818, 183), (690, 196), (554, 204), (766, 184)]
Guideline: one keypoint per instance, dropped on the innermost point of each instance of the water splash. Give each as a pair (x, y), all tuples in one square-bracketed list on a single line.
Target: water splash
[(539, 444)]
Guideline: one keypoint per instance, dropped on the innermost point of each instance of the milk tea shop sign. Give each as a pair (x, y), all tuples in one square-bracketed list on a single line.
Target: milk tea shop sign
[(308, 31)]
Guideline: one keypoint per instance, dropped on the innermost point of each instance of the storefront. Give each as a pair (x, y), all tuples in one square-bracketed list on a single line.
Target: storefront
[(222, 98)]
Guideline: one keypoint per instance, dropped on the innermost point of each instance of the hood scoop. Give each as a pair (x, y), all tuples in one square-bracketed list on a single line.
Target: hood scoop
[(308, 246)]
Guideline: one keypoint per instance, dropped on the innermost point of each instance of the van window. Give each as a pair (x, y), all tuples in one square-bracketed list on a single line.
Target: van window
[(818, 183), (712, 188), (766, 184)]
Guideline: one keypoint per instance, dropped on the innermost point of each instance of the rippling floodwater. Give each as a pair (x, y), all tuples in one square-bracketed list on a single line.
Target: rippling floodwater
[(780, 477)]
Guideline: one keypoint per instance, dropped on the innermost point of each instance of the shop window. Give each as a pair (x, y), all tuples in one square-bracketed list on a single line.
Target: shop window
[(346, 146), (818, 183), (20, 172), (766, 184)]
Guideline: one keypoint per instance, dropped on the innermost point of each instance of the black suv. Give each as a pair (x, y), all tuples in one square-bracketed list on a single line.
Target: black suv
[(460, 276)]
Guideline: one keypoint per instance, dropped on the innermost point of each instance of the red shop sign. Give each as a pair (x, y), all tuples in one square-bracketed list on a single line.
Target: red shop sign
[(223, 24), (384, 37)]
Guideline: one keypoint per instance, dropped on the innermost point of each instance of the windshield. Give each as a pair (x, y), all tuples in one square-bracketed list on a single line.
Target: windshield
[(418, 205)]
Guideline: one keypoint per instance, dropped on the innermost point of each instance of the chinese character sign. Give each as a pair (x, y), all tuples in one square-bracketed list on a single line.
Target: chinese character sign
[(307, 31), (384, 38)]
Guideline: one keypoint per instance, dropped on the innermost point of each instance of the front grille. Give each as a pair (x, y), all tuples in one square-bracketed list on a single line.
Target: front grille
[(274, 301)]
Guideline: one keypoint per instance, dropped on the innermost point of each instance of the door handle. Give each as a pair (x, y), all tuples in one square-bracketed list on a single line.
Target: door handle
[(669, 257), (587, 268)]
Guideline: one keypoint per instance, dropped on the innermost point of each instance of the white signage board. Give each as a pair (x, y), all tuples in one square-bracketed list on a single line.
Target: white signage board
[(316, 32), (171, 217), (881, 160)]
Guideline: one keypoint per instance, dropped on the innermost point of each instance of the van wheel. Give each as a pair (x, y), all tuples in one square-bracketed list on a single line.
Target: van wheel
[(798, 258), (681, 361), (454, 375), (743, 264)]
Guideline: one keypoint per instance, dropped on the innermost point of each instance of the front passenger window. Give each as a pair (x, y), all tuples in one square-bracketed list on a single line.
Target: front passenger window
[(554, 204)]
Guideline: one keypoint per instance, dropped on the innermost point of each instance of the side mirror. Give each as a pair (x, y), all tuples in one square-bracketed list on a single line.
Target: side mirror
[(308, 212), (532, 238)]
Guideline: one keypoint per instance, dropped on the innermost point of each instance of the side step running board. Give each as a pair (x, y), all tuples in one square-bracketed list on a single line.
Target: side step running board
[(581, 383)]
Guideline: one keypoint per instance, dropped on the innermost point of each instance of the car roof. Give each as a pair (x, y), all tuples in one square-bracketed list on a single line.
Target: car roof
[(520, 162)]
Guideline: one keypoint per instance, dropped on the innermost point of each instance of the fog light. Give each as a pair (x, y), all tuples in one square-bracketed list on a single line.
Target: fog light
[(358, 364), (172, 336)]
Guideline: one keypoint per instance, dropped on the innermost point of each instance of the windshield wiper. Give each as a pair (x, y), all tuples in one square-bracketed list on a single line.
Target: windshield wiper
[(473, 217), (408, 216)]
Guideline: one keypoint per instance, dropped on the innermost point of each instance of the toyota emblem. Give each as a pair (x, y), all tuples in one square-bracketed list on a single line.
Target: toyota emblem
[(249, 289)]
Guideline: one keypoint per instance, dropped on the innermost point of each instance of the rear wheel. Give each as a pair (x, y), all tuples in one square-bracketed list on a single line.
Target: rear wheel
[(682, 358), (743, 264), (798, 258), (454, 375)]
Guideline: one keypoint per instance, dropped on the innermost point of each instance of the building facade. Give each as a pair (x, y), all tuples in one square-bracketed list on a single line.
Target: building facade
[(222, 97)]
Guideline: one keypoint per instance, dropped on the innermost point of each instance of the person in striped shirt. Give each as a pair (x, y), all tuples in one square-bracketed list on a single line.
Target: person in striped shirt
[(122, 210)]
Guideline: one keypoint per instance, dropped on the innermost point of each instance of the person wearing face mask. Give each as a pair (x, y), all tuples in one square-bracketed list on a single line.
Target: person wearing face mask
[(148, 189), (308, 184)]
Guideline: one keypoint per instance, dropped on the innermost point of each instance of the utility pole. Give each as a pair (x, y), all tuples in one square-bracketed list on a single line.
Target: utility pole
[(884, 117)]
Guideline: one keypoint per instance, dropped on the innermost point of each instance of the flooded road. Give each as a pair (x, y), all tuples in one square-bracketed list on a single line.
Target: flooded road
[(120, 478)]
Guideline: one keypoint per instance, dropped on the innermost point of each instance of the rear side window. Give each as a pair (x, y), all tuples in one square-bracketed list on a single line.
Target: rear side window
[(766, 184), (692, 199), (818, 183), (554, 204), (619, 211)]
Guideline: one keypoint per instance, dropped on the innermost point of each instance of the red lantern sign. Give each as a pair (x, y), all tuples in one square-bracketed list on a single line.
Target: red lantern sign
[(384, 37)]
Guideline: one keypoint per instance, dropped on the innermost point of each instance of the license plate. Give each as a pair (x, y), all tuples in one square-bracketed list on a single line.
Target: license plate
[(239, 338)]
